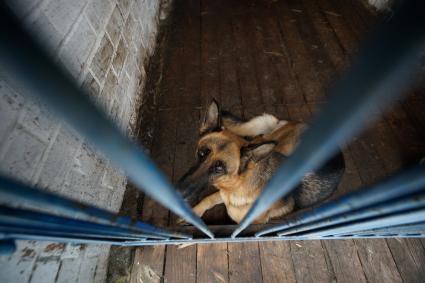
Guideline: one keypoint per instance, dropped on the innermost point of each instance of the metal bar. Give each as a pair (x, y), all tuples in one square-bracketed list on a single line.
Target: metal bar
[(367, 236), (35, 215), (393, 230), (40, 230), (253, 239), (404, 218), (19, 192), (377, 77), (196, 241), (147, 242), (410, 203), (30, 218), (26, 64), (7, 247), (398, 186), (66, 239)]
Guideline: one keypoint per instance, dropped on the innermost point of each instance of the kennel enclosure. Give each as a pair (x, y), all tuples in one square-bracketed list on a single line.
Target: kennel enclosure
[(393, 208)]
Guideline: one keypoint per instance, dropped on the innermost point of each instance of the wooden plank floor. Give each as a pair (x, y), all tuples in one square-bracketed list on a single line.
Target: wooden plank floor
[(279, 57)]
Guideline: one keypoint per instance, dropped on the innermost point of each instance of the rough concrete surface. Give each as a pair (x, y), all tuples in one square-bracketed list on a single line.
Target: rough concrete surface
[(104, 44)]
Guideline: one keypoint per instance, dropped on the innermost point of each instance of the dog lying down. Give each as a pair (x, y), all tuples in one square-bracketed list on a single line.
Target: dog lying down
[(239, 157)]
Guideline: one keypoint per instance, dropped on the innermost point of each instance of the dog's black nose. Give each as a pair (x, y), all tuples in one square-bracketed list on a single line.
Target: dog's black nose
[(187, 190)]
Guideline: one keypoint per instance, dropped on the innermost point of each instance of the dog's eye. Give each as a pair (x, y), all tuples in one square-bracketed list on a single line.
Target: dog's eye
[(203, 153), (218, 167)]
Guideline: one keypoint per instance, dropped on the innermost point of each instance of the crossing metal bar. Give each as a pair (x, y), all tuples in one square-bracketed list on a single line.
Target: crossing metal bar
[(406, 183), (395, 207), (405, 204), (376, 78), (12, 190), (65, 239), (16, 217), (392, 231), (7, 246), (406, 218), (62, 238), (28, 231), (27, 65)]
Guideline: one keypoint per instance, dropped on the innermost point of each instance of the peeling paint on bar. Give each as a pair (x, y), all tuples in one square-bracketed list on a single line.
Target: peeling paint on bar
[(396, 209), (376, 78), (23, 59)]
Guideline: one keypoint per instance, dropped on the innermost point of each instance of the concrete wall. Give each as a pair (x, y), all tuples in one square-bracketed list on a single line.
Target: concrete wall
[(104, 44)]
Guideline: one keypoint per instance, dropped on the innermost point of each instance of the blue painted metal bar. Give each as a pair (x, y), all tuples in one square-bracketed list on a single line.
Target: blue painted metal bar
[(27, 65), (407, 204), (40, 230), (46, 236), (196, 241), (412, 229), (398, 186), (376, 78), (375, 213), (7, 246), (371, 236), (405, 218), (368, 236), (262, 239), (16, 191), (29, 218)]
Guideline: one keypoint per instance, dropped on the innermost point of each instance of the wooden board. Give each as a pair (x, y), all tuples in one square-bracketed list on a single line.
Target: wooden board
[(310, 262), (301, 60), (183, 260), (244, 262), (319, 58), (277, 51), (345, 35), (180, 264), (243, 259), (345, 260), (378, 264), (276, 262), (212, 263), (244, 49), (326, 35), (277, 57), (148, 262)]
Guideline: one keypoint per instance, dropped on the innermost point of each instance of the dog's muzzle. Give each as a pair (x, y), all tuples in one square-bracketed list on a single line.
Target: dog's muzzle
[(191, 184)]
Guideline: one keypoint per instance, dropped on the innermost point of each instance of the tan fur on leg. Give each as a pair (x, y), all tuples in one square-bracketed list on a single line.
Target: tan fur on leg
[(208, 203)]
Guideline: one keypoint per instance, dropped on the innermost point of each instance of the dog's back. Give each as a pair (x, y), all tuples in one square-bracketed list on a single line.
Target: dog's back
[(315, 186), (319, 185)]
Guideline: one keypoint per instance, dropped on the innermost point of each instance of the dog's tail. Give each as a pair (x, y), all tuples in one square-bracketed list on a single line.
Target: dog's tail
[(260, 125)]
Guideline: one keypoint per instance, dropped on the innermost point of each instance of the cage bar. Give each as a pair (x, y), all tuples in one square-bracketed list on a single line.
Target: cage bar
[(376, 79), (26, 64), (386, 194), (389, 209), (12, 190)]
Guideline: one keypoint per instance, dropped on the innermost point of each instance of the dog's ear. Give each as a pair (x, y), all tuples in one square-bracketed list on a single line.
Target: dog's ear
[(255, 153), (212, 119)]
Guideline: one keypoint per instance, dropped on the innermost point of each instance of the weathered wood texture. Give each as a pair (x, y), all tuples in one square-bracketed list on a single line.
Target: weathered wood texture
[(280, 57)]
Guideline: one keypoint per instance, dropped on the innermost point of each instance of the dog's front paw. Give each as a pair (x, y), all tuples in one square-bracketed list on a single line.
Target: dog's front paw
[(182, 222)]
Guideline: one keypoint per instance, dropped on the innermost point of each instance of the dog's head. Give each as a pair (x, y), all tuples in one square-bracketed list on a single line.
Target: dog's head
[(221, 156)]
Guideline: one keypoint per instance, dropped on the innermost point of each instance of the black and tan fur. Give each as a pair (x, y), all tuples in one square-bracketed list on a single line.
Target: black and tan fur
[(239, 157)]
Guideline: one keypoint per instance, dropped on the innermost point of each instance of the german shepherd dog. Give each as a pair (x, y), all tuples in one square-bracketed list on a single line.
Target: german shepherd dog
[(239, 157)]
